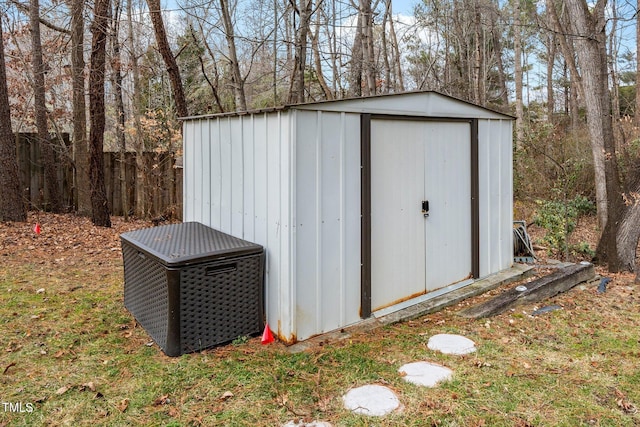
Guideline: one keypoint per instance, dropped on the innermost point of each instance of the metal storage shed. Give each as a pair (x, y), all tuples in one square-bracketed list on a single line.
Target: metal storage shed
[(364, 205)]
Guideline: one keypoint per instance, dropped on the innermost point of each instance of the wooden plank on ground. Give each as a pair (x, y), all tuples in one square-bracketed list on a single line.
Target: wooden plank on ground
[(537, 290)]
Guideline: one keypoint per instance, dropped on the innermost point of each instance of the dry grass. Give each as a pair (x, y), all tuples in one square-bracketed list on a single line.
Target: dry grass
[(72, 353)]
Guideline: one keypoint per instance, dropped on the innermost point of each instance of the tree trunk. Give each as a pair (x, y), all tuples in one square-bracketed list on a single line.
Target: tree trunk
[(591, 54), (116, 67), (213, 86), (81, 148), (502, 75), (613, 61), (395, 51), (328, 94), (567, 50), (517, 55), (47, 148), (385, 48), (236, 77), (551, 58), (637, 63), (138, 140), (12, 207), (336, 52), (99, 205), (478, 59), (368, 54), (169, 59), (355, 68), (619, 239), (296, 94)]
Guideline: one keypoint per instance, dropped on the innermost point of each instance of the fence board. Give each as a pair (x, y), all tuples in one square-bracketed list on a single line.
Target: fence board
[(162, 182)]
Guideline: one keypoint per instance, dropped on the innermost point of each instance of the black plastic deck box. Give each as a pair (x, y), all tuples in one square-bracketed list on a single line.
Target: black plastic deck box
[(192, 287)]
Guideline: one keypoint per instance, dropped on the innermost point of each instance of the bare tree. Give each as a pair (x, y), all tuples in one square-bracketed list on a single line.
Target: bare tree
[(81, 147), (368, 53), (637, 63), (117, 79), (138, 141), (237, 81), (12, 207), (391, 53), (317, 59), (46, 145), (517, 60), (167, 56), (296, 93), (618, 206), (591, 52), (355, 63), (213, 85), (99, 204), (551, 59), (575, 92)]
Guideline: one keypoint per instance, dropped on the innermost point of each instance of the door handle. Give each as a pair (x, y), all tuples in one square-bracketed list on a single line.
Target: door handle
[(425, 208)]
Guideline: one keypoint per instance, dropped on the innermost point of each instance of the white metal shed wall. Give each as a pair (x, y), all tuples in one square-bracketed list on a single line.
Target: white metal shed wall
[(496, 195), (237, 177), (327, 233)]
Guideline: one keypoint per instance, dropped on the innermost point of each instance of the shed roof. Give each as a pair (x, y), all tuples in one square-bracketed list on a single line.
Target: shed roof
[(419, 103)]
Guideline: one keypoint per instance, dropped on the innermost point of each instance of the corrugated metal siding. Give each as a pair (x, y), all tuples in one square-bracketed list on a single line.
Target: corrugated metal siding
[(238, 180), (290, 181), (327, 237), (496, 195), (448, 189)]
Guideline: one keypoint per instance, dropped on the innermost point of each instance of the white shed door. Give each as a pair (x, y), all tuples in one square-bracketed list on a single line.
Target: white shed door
[(411, 254)]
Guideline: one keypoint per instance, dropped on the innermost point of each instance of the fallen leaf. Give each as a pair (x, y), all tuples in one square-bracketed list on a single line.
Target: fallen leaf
[(90, 386), (627, 406), (226, 395), (59, 354), (62, 390), (162, 400), (123, 405)]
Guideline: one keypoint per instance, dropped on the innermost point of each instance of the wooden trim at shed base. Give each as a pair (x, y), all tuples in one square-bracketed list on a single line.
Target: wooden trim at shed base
[(537, 290)]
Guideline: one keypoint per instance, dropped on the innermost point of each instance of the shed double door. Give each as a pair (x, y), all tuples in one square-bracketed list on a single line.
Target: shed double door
[(414, 162)]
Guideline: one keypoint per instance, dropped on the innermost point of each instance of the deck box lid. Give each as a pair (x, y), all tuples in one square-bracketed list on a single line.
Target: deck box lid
[(186, 243)]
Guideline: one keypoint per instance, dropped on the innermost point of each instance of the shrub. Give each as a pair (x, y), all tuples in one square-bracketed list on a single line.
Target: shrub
[(559, 219)]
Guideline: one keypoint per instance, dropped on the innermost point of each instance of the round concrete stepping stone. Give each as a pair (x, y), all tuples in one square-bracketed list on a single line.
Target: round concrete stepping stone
[(425, 374), (451, 344), (305, 424), (373, 400)]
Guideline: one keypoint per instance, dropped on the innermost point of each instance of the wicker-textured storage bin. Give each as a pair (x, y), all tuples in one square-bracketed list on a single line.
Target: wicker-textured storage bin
[(192, 287)]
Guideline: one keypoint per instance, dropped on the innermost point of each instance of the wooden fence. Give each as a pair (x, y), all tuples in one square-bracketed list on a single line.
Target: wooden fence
[(162, 186)]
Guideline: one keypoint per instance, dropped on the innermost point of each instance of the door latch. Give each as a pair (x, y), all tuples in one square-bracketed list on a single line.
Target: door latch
[(425, 208)]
